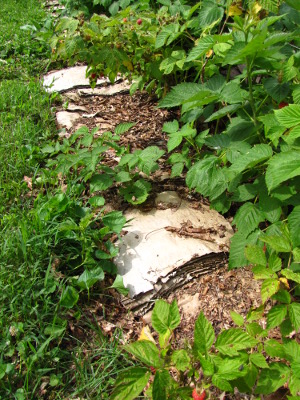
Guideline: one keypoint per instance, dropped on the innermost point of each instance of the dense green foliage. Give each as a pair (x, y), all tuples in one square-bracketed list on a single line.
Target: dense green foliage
[(232, 68), (47, 238)]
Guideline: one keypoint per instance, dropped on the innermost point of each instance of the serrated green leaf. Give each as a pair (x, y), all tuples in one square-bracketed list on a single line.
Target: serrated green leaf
[(278, 91), (296, 94), (181, 360), (274, 348), (255, 255), (160, 385), (283, 296), (294, 313), (210, 14), (276, 315), (165, 316), (207, 177), (293, 276), (130, 383), (256, 155), (114, 220), (230, 369), (203, 45), (237, 318), (207, 366), (171, 126), (268, 288), (244, 192), (124, 127), (177, 169), (69, 297), (238, 242), (258, 360), (294, 226), (261, 272), (97, 201), (145, 351), (272, 378), (223, 111), (288, 116), (282, 167), (179, 94), (136, 192), (174, 141), (278, 242), (100, 182), (230, 341), (221, 383), (204, 335), (248, 218), (232, 93)]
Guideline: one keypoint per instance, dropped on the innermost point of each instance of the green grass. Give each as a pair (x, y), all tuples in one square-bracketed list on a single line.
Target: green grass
[(38, 355), (20, 53)]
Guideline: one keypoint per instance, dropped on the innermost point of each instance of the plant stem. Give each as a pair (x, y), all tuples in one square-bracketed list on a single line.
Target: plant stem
[(251, 97)]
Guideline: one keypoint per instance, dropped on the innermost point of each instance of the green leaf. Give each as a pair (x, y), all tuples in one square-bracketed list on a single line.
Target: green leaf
[(221, 383), (136, 192), (160, 385), (294, 313), (145, 351), (261, 272), (207, 177), (210, 14), (207, 366), (171, 126), (223, 111), (248, 218), (124, 127), (230, 369), (114, 220), (204, 335), (244, 192), (256, 155), (276, 315), (100, 182), (274, 262), (278, 242), (119, 285), (238, 242), (274, 348), (237, 318), (259, 360), (181, 360), (294, 226), (268, 288), (288, 116), (278, 91), (165, 316), (179, 94), (97, 201), (174, 141), (69, 297), (234, 339), (282, 167), (89, 277), (130, 383), (283, 296), (291, 275), (255, 255), (203, 45), (233, 94), (272, 378)]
